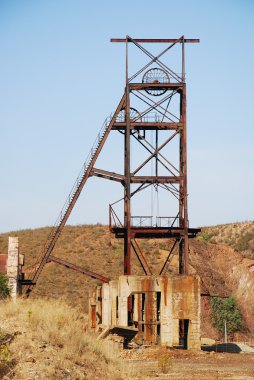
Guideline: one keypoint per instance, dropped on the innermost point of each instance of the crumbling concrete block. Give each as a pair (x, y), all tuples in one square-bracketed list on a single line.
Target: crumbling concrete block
[(13, 266), (165, 310)]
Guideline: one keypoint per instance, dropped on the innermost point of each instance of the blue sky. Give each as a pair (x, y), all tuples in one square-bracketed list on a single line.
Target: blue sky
[(60, 77)]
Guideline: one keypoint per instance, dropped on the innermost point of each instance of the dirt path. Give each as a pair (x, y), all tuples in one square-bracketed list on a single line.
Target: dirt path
[(169, 364)]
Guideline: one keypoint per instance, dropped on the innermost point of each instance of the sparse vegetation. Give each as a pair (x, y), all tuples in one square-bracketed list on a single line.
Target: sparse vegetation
[(245, 242), (226, 310), (164, 364), (239, 236), (205, 237)]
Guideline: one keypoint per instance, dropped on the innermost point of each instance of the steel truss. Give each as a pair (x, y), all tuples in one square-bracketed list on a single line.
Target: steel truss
[(156, 91), (169, 85)]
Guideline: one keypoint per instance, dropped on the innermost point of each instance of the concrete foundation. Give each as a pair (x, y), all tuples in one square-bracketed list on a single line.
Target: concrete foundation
[(164, 310)]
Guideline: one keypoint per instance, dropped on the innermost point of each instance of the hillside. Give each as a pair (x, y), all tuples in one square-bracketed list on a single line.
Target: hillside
[(223, 270), (239, 236)]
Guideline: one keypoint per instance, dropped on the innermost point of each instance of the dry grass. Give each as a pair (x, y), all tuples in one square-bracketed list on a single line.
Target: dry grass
[(51, 343), (239, 236)]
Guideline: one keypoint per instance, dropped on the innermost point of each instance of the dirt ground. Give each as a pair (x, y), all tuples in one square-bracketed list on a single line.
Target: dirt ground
[(163, 363)]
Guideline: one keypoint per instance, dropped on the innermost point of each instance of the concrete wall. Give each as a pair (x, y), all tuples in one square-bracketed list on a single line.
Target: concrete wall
[(162, 308), (13, 266)]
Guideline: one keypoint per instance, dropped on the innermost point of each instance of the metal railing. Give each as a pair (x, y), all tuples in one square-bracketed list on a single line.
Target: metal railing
[(153, 117), (167, 221), (114, 221), (143, 220)]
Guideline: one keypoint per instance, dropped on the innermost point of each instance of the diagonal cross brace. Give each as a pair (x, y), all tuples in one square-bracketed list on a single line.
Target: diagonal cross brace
[(156, 151), (161, 64)]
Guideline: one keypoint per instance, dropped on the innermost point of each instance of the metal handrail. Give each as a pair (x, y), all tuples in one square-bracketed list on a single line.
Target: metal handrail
[(144, 220), (116, 220), (74, 188), (169, 221)]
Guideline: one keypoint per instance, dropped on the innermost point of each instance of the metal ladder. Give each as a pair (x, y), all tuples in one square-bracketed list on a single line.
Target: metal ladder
[(71, 199), (68, 206)]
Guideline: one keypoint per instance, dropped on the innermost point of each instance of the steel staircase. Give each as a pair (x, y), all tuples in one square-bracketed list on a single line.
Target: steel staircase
[(71, 199)]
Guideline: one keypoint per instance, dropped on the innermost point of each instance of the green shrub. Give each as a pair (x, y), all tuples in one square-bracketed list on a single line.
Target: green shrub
[(4, 353), (4, 287), (226, 310), (205, 237)]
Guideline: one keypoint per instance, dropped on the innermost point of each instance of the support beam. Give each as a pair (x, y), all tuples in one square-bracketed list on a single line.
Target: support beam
[(168, 259), (148, 126), (78, 269), (107, 175), (142, 260), (155, 179), (156, 40), (127, 174)]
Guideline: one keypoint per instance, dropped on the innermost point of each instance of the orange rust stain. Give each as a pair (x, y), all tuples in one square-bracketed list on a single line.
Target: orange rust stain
[(93, 316), (146, 285), (165, 289), (3, 263)]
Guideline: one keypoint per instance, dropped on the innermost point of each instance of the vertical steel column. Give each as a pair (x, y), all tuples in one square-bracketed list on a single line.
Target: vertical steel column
[(183, 61), (183, 210), (185, 194), (127, 191)]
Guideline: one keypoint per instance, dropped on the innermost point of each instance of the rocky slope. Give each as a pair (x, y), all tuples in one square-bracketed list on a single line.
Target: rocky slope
[(225, 272)]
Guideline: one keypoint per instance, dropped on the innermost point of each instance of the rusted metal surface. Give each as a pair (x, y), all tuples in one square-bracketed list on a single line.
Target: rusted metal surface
[(150, 312), (155, 232), (150, 86), (78, 269), (168, 259), (93, 316), (107, 175), (157, 82), (141, 257), (153, 86), (148, 126), (156, 40), (3, 263), (127, 183)]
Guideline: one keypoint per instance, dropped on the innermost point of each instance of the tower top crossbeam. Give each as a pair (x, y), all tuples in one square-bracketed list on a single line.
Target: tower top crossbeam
[(156, 40)]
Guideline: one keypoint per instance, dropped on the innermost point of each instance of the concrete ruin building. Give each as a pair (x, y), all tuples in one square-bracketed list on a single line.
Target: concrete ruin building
[(164, 310)]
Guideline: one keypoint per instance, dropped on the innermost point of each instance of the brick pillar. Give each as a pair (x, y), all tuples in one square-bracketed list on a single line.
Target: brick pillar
[(13, 266)]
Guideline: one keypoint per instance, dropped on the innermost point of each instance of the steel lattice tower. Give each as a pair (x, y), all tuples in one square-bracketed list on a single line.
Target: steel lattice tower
[(164, 84), (161, 93)]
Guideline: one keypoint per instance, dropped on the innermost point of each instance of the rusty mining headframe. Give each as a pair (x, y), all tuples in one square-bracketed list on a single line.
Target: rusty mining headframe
[(152, 114), (157, 87)]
